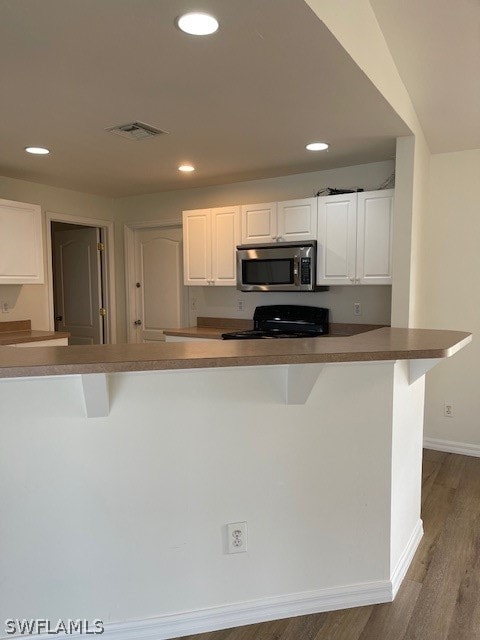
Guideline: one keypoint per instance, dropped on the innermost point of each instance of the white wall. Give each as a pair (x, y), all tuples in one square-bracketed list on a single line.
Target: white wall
[(31, 301), (354, 24), (449, 292), (222, 302), (124, 517)]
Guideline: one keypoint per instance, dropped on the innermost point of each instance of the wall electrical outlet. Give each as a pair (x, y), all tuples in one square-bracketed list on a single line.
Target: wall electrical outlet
[(237, 537), (240, 305), (357, 309), (448, 409), (193, 304), (4, 307)]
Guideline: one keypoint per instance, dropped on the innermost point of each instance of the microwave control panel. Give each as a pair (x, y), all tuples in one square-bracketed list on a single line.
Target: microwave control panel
[(305, 271)]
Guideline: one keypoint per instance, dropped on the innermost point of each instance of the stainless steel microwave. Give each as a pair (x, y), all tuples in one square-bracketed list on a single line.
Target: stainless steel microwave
[(288, 266)]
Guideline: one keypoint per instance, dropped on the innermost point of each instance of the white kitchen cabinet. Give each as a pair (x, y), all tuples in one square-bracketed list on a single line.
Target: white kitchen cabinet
[(21, 243), (210, 238), (289, 221), (297, 220), (355, 238), (259, 223)]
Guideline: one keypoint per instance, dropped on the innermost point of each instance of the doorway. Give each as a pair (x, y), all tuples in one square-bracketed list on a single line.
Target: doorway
[(157, 297), (81, 278)]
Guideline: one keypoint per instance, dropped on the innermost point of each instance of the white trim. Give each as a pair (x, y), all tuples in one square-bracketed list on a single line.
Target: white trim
[(129, 250), (265, 609), (244, 613), (406, 558), (450, 446), (108, 227)]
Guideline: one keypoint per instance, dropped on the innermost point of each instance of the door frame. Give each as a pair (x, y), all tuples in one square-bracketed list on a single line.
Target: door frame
[(107, 228), (129, 243)]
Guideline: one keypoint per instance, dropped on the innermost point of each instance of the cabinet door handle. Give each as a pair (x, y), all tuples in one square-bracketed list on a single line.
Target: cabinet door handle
[(138, 322), (352, 279)]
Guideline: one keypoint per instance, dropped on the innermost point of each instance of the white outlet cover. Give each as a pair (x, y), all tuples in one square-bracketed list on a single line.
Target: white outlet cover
[(237, 537)]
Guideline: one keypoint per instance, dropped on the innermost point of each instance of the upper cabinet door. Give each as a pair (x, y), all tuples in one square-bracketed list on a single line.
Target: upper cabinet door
[(297, 220), (197, 247), (337, 225), (374, 237), (225, 238), (21, 243), (259, 223)]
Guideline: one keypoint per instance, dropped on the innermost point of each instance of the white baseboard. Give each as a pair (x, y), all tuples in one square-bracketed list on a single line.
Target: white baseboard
[(406, 558), (450, 446), (236, 615), (264, 610)]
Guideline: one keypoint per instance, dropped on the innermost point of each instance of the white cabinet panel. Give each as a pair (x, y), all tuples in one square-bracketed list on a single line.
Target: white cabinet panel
[(259, 223), (374, 237), (355, 238), (197, 249), (210, 239), (297, 220), (21, 243), (225, 238), (336, 239)]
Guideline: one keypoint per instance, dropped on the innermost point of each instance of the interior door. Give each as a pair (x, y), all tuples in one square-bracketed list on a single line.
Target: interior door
[(78, 284), (159, 291)]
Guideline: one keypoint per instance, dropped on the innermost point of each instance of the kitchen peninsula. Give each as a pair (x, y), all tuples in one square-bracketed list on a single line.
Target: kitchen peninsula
[(315, 444)]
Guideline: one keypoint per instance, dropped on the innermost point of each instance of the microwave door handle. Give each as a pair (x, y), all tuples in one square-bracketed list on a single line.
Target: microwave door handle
[(296, 271)]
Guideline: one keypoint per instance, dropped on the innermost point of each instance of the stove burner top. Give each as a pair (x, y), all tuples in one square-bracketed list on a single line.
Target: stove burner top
[(258, 334), (284, 321)]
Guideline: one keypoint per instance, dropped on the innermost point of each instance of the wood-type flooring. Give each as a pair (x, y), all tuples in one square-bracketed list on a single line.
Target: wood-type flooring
[(440, 596)]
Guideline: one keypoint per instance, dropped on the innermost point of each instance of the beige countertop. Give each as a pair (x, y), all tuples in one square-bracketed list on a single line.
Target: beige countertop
[(19, 331), (213, 328), (380, 344)]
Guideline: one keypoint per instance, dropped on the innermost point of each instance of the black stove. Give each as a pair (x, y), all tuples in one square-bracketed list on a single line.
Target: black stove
[(284, 321)]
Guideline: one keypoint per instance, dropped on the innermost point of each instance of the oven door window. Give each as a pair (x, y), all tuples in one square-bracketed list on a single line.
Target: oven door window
[(273, 271)]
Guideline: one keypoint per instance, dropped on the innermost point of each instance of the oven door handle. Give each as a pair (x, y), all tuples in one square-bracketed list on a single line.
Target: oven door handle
[(296, 271)]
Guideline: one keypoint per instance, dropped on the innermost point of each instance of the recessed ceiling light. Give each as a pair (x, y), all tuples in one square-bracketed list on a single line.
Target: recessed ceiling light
[(39, 151), (197, 24), (186, 168), (317, 146)]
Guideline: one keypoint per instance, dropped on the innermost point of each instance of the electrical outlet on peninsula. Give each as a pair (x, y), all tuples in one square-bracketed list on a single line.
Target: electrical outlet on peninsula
[(236, 537)]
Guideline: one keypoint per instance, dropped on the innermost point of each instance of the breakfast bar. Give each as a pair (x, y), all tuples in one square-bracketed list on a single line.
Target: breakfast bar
[(313, 445)]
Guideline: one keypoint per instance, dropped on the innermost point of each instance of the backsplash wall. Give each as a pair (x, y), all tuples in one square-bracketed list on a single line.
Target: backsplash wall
[(222, 302)]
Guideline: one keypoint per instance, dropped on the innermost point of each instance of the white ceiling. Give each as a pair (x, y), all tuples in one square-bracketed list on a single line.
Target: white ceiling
[(239, 105), (436, 47)]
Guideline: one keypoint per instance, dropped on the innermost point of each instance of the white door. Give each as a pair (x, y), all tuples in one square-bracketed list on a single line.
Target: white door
[(78, 284), (225, 238), (374, 237), (159, 291), (297, 220), (259, 223), (197, 259), (337, 230)]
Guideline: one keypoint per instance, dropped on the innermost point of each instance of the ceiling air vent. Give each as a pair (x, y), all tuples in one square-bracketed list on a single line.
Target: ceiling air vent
[(135, 131)]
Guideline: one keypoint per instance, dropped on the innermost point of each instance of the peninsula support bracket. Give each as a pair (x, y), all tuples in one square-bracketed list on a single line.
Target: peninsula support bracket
[(96, 396), (418, 368), (300, 380)]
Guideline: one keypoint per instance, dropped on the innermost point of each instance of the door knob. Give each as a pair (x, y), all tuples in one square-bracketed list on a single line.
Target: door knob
[(138, 322), (58, 318)]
